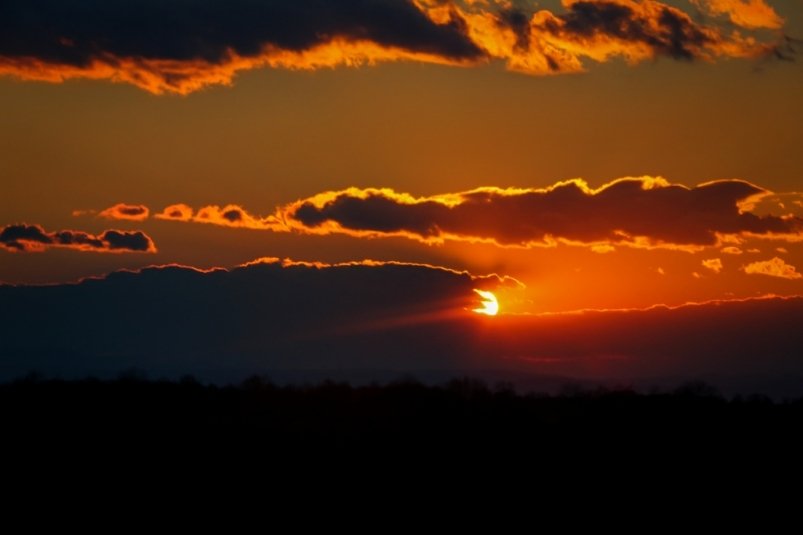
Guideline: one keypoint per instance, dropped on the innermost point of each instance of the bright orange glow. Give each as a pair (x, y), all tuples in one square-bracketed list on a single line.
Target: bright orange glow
[(490, 306)]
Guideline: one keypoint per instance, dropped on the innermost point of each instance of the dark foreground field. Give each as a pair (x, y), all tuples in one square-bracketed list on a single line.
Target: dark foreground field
[(457, 417)]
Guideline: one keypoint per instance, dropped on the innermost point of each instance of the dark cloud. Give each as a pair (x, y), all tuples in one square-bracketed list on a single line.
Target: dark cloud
[(233, 215), (80, 34), (373, 320), (518, 21), (668, 32), (177, 46), (15, 236), (746, 345), (77, 32), (128, 241), (27, 238), (639, 212), (70, 238), (269, 314)]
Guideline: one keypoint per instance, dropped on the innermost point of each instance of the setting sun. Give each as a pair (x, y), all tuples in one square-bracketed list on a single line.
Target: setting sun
[(490, 306)]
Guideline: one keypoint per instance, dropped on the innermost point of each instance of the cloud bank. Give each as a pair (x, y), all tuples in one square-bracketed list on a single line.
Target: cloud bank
[(179, 47), (33, 238), (290, 315), (368, 318)]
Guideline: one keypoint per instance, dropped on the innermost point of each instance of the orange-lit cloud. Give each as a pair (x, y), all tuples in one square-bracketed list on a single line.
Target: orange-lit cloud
[(714, 264), (775, 267), (126, 212), (176, 212), (228, 216), (745, 13), (33, 238), (492, 280), (788, 203), (641, 212), (602, 248), (179, 47)]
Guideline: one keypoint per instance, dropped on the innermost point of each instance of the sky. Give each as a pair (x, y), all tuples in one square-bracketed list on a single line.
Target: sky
[(593, 155)]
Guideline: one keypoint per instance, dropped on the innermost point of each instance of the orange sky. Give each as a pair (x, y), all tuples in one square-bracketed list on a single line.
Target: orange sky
[(423, 124)]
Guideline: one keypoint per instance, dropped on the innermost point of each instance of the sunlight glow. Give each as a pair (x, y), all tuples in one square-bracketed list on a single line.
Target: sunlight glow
[(490, 306)]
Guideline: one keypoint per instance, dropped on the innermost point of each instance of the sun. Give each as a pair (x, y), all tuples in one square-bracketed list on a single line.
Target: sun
[(490, 306)]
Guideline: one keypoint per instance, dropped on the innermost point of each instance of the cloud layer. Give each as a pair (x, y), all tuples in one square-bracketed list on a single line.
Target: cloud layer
[(268, 313), (33, 238), (371, 319), (172, 46)]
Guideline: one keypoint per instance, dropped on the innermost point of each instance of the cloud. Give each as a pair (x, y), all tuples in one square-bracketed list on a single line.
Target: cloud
[(635, 30), (265, 313), (373, 320), (127, 212), (180, 47), (228, 216), (775, 267), (176, 212), (33, 238), (714, 264), (746, 345), (637, 212), (788, 203), (744, 13), (173, 46), (603, 248)]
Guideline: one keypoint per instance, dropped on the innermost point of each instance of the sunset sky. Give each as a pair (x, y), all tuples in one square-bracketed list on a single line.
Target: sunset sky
[(597, 154)]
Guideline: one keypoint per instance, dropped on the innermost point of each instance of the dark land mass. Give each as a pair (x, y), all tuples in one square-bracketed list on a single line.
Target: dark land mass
[(451, 420)]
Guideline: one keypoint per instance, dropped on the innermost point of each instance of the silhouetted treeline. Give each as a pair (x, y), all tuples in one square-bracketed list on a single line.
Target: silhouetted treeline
[(461, 415)]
